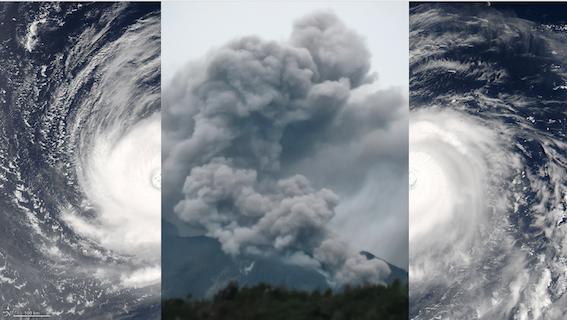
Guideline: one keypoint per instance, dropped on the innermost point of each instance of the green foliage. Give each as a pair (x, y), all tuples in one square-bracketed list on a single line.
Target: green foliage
[(371, 302)]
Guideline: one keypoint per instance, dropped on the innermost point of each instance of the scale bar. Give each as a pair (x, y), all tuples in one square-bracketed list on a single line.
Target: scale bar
[(31, 316)]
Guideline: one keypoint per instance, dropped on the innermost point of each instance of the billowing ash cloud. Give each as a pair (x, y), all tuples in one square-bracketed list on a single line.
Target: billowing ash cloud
[(251, 90), (336, 50), (238, 122), (287, 217)]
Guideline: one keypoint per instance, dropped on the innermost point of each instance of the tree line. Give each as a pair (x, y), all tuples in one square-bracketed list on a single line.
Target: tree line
[(266, 302)]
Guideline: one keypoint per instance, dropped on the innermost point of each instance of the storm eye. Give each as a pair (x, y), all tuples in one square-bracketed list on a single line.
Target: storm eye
[(155, 178), (412, 178)]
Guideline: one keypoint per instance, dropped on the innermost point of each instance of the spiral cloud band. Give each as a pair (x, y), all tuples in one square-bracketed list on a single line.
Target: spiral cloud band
[(118, 152), (448, 174), (120, 177)]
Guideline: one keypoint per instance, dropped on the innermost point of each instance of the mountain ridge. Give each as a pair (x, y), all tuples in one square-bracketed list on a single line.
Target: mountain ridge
[(215, 269)]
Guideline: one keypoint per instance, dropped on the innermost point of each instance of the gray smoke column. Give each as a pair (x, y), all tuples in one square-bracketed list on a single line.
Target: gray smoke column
[(228, 122)]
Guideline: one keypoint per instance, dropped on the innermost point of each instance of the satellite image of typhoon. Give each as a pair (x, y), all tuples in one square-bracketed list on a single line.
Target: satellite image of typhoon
[(488, 147), (79, 160)]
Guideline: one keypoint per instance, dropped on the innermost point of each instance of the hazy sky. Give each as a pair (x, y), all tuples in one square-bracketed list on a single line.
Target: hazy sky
[(190, 29)]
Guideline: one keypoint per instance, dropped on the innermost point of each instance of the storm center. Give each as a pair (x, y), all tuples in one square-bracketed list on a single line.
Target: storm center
[(412, 178), (156, 178)]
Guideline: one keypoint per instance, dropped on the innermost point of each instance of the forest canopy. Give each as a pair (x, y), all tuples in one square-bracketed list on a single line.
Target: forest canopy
[(369, 302)]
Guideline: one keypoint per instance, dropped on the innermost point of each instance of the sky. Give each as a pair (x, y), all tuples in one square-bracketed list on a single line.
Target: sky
[(383, 24), (363, 159)]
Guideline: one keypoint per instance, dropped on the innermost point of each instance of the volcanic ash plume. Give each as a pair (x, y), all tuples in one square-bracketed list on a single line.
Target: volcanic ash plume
[(228, 123)]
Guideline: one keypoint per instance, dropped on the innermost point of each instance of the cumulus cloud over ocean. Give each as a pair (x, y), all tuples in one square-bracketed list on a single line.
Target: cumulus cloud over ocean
[(270, 146)]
